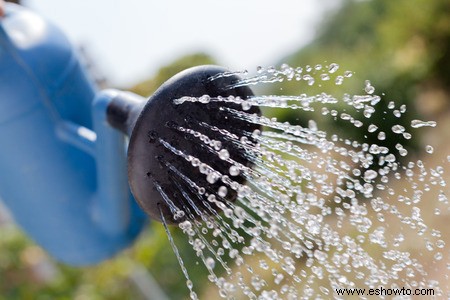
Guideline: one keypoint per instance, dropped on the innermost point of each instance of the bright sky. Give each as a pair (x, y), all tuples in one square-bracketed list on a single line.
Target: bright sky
[(131, 39)]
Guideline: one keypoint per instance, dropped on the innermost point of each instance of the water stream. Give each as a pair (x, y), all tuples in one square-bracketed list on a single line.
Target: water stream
[(319, 211)]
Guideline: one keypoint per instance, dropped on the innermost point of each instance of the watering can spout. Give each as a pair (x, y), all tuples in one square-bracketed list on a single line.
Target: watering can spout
[(123, 110)]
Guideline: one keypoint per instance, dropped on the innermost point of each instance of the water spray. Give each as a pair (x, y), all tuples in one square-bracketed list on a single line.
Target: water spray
[(156, 125)]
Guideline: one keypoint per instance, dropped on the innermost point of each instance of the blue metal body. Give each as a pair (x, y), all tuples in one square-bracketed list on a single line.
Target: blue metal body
[(62, 167)]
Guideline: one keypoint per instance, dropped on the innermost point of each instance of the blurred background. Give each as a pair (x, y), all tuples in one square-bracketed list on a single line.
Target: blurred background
[(402, 47)]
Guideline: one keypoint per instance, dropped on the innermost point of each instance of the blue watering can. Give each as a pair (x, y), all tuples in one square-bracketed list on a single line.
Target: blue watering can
[(62, 167), (63, 155)]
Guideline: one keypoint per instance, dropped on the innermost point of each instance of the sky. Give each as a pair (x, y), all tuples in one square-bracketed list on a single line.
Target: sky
[(131, 39)]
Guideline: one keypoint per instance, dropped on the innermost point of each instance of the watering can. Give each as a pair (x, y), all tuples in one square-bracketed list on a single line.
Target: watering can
[(62, 167), (66, 166)]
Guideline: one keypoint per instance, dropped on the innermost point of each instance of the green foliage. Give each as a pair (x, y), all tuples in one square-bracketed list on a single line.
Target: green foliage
[(399, 45)]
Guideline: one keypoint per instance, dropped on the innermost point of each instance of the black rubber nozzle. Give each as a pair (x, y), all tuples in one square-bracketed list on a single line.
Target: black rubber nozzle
[(161, 176)]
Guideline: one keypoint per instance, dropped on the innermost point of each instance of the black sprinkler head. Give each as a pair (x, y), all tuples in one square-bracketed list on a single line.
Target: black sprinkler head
[(165, 138)]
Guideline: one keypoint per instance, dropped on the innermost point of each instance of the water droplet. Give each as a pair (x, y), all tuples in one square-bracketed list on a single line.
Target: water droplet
[(278, 278), (390, 158), (372, 128), (204, 99), (193, 295), (345, 116), (419, 123), (189, 284), (398, 129), (358, 123), (234, 171), (403, 108), (204, 168), (224, 154), (333, 68), (370, 175), (213, 177), (320, 255), (178, 215), (324, 77), (438, 256), (222, 192), (312, 125), (348, 74), (217, 145), (339, 80), (369, 89), (309, 79), (246, 105), (407, 135), (440, 244), (429, 149)]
